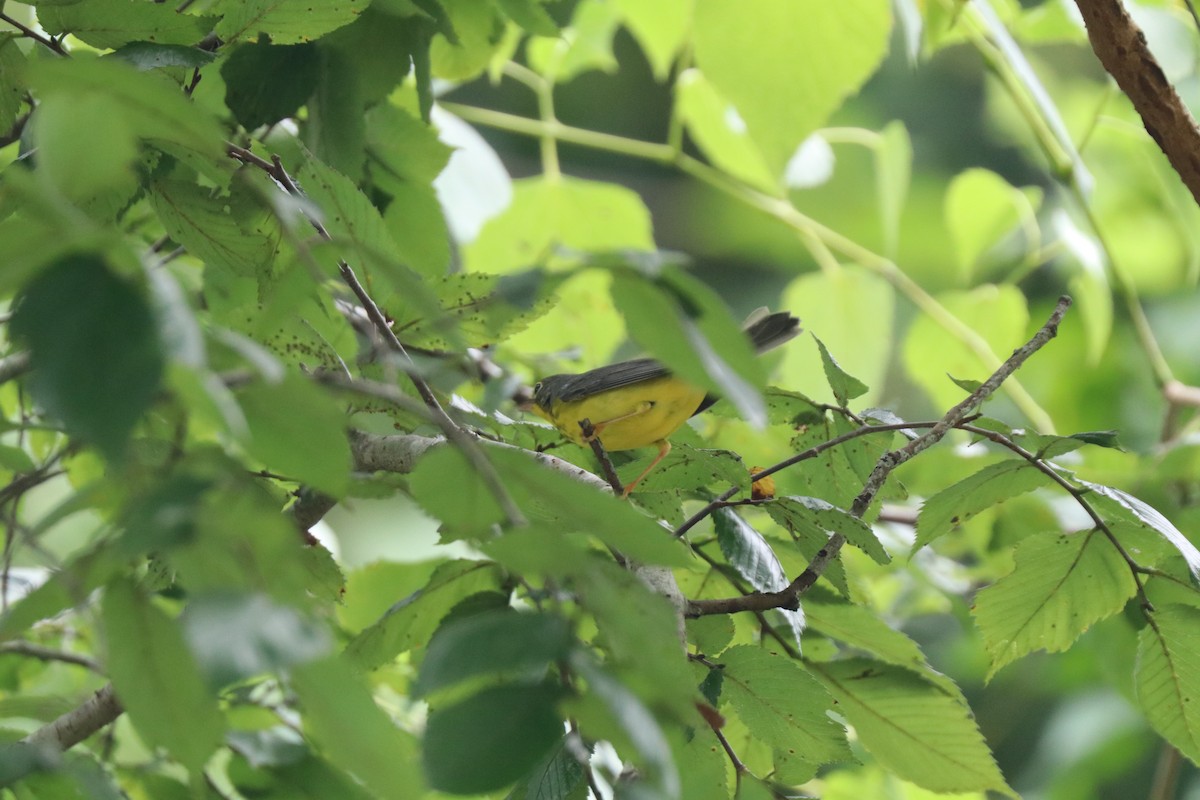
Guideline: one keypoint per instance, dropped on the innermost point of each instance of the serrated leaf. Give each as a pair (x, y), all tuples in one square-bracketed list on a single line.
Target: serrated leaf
[(157, 679), (342, 718), (956, 504), (845, 386), (285, 21), (412, 620), (109, 24), (234, 232), (751, 555), (816, 517), (915, 728), (861, 628), (492, 643), (490, 739), (966, 384), (1060, 587), (94, 350), (558, 776), (782, 704), (478, 307), (1121, 506), (1167, 676)]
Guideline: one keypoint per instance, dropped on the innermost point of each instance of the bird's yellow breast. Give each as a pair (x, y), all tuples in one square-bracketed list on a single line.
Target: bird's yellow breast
[(637, 415)]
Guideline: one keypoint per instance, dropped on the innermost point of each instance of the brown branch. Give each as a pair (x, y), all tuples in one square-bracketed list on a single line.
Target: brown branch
[(1121, 47), (41, 749), (606, 465), (48, 42), (789, 597), (32, 650)]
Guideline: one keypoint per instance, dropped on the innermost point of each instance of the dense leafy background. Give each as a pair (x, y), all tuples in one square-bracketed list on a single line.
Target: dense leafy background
[(525, 188)]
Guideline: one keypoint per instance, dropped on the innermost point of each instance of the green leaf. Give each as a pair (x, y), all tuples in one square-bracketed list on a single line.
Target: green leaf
[(234, 232), (818, 518), (752, 556), (860, 628), (586, 44), (548, 497), (781, 704), (915, 728), (151, 104), (719, 133), (109, 24), (1167, 676), (298, 430), (785, 87), (956, 504), (558, 776), (530, 15), (1060, 587), (845, 386), (239, 636), (546, 215), (1118, 506), (660, 28), (492, 738), (497, 643), (610, 711), (477, 35), (336, 130), (69, 160), (412, 620), (981, 208), (12, 79), (285, 21), (341, 717), (687, 326), (156, 677), (69, 587), (481, 311), (265, 83), (96, 360)]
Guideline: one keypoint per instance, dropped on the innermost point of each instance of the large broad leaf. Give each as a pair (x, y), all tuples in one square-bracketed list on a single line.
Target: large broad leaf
[(1167, 677), (492, 644), (93, 344), (721, 135), (157, 679), (782, 704), (786, 65), (546, 215), (308, 443), (342, 718), (981, 208), (956, 504), (558, 776), (490, 739), (265, 83), (548, 497), (916, 729), (815, 517), (285, 21), (1059, 588), (108, 24), (660, 28)]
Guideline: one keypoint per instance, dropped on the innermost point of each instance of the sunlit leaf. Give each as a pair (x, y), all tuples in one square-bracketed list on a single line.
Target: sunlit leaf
[(958, 503)]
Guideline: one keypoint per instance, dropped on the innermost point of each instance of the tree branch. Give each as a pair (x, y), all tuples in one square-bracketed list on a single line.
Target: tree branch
[(41, 749), (789, 597), (1121, 47)]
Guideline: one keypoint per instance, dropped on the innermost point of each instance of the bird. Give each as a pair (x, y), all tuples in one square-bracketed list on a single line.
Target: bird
[(640, 402)]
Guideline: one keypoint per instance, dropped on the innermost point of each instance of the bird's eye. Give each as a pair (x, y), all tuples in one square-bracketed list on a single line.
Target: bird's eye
[(537, 387)]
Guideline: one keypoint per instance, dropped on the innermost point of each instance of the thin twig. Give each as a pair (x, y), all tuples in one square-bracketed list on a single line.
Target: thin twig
[(49, 654), (606, 465), (789, 597), (46, 41), (455, 434)]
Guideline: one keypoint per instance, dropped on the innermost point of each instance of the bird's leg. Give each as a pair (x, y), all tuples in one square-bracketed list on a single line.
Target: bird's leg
[(664, 447)]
